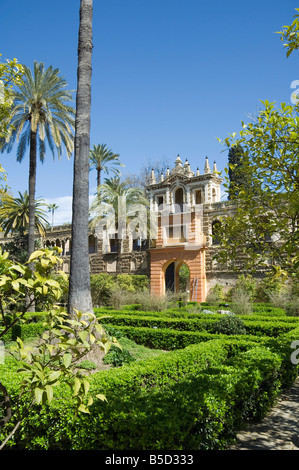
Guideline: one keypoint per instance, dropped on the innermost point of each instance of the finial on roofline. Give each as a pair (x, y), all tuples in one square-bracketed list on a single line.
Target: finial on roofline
[(207, 166), (153, 177)]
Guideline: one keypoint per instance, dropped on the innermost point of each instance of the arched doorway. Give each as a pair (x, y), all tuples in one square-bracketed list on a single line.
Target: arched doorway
[(170, 277), (177, 277), (162, 258)]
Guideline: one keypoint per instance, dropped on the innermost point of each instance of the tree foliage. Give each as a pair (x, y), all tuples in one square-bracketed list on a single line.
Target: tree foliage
[(14, 214), (53, 359), (236, 175), (262, 228), (11, 73), (290, 35), (41, 116), (102, 159)]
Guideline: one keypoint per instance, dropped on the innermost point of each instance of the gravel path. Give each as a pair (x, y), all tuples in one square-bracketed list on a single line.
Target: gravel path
[(279, 430)]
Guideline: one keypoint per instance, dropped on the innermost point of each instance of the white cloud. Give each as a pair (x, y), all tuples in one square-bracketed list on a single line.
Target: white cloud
[(63, 214)]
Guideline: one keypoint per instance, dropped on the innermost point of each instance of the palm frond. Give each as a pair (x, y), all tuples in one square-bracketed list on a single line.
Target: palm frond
[(43, 102)]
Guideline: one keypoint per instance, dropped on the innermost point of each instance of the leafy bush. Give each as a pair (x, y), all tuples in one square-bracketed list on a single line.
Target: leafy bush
[(196, 398), (292, 307), (150, 302), (230, 325), (270, 287), (215, 295), (101, 286), (124, 282), (241, 302), (246, 284), (279, 299), (24, 331), (170, 339), (105, 288), (87, 365), (120, 297), (140, 282), (183, 324), (118, 357)]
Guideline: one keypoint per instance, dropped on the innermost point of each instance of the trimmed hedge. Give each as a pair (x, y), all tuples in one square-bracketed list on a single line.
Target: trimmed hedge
[(168, 339), (261, 315), (24, 331), (206, 324), (268, 327), (196, 398)]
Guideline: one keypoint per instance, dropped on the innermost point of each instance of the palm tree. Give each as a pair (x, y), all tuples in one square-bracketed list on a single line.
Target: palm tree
[(41, 115), (103, 159), (79, 281), (119, 202), (52, 208), (14, 214)]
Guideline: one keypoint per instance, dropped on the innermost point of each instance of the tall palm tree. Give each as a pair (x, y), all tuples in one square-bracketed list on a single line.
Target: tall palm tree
[(103, 159), (52, 208), (14, 214), (79, 282), (119, 202), (41, 116)]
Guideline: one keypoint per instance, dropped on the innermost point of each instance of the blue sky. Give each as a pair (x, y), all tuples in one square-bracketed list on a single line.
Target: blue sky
[(169, 76)]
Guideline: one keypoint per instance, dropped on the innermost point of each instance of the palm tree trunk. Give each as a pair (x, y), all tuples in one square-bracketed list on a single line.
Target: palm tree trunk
[(32, 185), (98, 180), (31, 228), (79, 287)]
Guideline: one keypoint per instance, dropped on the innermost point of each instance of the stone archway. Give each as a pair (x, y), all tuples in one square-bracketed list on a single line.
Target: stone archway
[(174, 280), (162, 258)]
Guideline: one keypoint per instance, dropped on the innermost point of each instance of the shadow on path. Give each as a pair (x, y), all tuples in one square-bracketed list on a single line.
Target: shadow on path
[(279, 430)]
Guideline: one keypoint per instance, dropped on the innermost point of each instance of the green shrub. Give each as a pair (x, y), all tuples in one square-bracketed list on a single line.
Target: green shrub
[(150, 302), (24, 331), (140, 282), (105, 288), (101, 286), (268, 328), (241, 301), (131, 307), (132, 282), (163, 338), (169, 339), (269, 288), (246, 284), (184, 324), (118, 357), (196, 398), (292, 307), (87, 365), (124, 282), (268, 325), (120, 297), (230, 325), (215, 295)]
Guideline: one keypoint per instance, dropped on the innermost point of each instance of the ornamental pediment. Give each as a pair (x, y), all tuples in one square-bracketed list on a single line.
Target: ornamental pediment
[(176, 177)]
